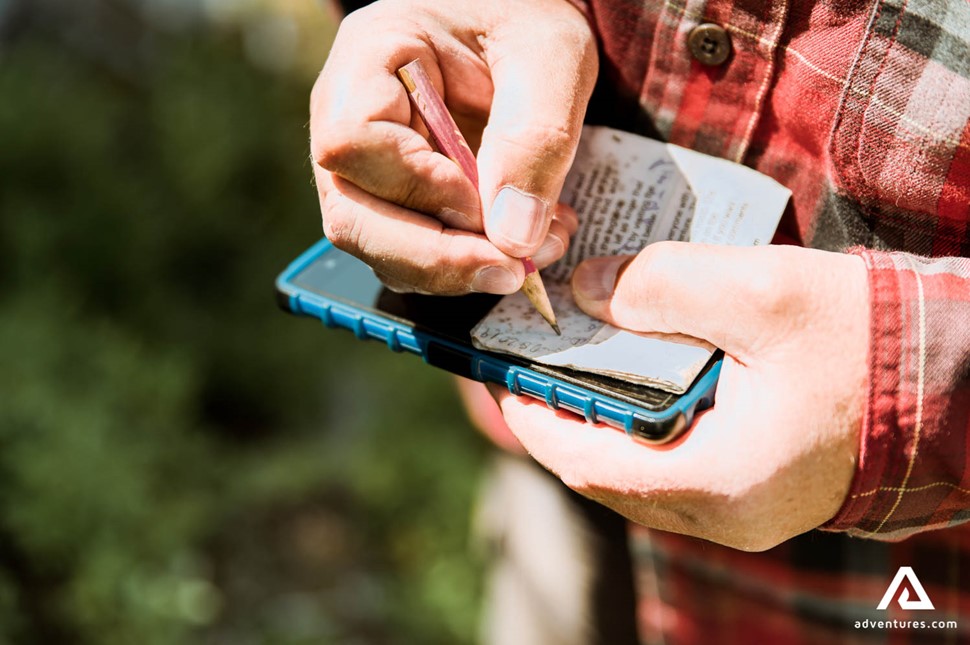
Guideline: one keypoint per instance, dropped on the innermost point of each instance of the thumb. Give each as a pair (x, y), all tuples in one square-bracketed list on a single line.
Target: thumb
[(542, 78), (737, 298)]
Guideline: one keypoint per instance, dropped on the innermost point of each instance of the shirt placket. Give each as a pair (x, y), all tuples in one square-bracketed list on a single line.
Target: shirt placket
[(697, 101)]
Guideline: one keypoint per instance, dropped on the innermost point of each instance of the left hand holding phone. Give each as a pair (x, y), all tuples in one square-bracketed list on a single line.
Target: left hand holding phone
[(526, 68), (776, 454)]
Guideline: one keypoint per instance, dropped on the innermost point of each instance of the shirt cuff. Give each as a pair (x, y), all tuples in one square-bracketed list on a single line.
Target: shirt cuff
[(914, 460)]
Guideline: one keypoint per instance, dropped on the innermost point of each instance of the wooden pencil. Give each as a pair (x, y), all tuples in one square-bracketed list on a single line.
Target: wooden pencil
[(448, 139)]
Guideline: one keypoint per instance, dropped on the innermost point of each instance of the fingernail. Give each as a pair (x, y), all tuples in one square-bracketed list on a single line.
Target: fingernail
[(595, 280), (495, 280), (550, 251), (517, 218)]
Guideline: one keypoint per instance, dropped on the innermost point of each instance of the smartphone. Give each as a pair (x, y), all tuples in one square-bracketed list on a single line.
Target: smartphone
[(342, 292)]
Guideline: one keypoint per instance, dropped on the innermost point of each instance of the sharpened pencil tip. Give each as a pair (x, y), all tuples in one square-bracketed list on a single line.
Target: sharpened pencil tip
[(536, 292)]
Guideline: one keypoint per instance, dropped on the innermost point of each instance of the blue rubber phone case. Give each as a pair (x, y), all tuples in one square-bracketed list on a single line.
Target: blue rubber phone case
[(300, 290)]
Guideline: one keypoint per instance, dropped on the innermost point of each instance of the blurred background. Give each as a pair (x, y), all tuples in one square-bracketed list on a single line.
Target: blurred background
[(180, 462)]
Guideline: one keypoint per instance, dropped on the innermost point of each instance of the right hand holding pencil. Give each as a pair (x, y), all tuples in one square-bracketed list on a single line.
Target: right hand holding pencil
[(524, 68)]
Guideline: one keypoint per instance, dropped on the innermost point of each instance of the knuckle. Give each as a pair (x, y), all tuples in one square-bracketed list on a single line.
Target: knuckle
[(546, 149), (330, 150), (357, 20), (317, 94), (574, 35), (340, 225), (645, 289), (442, 273), (771, 289), (659, 259), (566, 32), (646, 274), (550, 142), (352, 21)]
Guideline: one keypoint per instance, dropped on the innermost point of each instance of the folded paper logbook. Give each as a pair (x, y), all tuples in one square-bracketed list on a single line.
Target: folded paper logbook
[(630, 191)]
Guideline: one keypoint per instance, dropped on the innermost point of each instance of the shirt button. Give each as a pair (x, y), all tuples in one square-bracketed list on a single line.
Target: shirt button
[(709, 44)]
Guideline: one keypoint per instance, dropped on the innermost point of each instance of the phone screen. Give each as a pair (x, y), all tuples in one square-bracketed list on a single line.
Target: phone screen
[(338, 275)]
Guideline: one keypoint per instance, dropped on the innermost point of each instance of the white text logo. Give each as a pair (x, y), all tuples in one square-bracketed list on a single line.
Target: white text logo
[(904, 601)]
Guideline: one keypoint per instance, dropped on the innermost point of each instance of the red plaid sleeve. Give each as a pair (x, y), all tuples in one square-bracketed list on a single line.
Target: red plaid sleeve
[(914, 465), (863, 110)]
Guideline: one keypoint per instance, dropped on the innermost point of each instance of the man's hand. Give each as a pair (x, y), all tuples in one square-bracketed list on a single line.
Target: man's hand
[(776, 454), (516, 75)]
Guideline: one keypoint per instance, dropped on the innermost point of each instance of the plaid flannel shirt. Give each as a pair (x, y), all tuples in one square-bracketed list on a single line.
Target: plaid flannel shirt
[(862, 108)]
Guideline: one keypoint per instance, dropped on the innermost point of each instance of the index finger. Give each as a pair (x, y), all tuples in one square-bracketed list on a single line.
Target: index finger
[(362, 127), (412, 248)]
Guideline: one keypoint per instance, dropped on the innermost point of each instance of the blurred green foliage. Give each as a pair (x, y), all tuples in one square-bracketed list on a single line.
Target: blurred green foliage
[(180, 462)]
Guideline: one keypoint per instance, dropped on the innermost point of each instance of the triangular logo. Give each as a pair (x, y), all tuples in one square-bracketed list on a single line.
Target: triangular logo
[(904, 601)]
